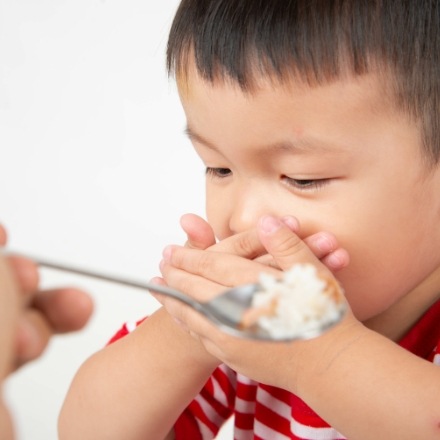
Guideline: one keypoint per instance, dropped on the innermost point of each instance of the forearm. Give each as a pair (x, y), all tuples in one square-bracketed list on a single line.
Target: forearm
[(137, 387), (367, 387)]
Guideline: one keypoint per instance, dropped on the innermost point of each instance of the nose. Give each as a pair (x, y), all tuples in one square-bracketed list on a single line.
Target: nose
[(250, 203)]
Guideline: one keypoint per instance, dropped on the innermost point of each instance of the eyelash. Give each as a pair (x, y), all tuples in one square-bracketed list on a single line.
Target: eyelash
[(299, 184), (219, 173), (305, 184)]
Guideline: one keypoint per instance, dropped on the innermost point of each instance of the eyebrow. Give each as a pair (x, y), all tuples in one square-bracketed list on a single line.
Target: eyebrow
[(283, 147), (199, 139)]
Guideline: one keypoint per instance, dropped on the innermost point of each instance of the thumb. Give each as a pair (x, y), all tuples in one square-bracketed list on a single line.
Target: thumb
[(284, 245)]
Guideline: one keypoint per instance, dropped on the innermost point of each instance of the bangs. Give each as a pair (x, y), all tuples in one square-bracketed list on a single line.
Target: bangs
[(315, 41)]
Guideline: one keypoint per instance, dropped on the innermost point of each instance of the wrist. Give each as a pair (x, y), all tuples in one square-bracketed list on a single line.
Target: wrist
[(175, 335)]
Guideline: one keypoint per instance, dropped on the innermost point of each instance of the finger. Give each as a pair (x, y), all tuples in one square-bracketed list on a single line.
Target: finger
[(325, 247), (26, 273), (65, 309), (197, 287), (321, 244), (247, 244), (9, 312), (33, 334), (3, 236), (224, 269), (285, 246), (267, 260), (337, 260), (199, 233)]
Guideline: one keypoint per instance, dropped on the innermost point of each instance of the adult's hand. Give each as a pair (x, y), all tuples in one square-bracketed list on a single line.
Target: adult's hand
[(42, 313)]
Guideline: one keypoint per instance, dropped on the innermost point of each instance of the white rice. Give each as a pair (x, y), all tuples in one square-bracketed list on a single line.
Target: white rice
[(301, 302)]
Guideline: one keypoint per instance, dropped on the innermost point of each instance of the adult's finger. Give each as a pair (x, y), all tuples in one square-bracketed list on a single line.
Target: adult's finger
[(32, 337), (3, 236), (50, 312), (9, 310), (65, 310), (26, 272)]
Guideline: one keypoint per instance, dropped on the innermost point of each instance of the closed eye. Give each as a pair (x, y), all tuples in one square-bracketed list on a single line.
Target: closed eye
[(305, 184), (218, 172)]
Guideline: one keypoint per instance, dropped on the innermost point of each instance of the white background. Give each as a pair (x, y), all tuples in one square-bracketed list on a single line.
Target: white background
[(94, 168)]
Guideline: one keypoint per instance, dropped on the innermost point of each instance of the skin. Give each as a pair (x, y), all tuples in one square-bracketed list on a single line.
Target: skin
[(373, 191), (8, 315), (30, 316), (339, 157)]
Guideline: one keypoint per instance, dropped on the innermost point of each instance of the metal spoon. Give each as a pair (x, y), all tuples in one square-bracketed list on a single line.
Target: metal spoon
[(225, 310)]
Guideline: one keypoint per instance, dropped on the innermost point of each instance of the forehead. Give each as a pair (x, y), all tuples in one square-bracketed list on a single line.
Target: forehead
[(372, 91), (352, 115), (224, 102)]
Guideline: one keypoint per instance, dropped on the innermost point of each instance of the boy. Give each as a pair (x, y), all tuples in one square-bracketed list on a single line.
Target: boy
[(323, 110)]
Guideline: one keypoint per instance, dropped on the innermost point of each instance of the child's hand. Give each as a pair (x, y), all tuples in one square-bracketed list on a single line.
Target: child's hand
[(247, 244), (203, 274)]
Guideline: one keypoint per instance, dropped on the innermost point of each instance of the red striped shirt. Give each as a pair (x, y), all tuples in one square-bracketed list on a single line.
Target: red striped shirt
[(262, 412)]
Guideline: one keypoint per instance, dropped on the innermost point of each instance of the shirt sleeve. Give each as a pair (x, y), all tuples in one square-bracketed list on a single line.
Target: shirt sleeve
[(127, 328)]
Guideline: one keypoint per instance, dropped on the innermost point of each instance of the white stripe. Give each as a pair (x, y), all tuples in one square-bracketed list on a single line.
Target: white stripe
[(243, 434), (264, 431), (130, 326), (311, 433), (219, 394), (273, 404), (244, 406), (436, 359), (206, 433), (212, 415), (230, 374), (241, 405), (245, 380)]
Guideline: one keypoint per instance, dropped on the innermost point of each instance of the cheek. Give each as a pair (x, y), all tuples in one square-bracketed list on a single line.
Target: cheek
[(390, 255)]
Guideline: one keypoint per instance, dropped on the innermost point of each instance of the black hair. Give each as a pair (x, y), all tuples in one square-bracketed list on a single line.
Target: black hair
[(317, 41)]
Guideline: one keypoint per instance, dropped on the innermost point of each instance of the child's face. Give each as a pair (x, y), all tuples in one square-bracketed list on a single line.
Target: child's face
[(340, 158)]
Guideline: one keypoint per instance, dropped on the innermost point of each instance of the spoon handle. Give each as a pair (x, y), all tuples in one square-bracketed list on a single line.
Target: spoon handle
[(110, 278)]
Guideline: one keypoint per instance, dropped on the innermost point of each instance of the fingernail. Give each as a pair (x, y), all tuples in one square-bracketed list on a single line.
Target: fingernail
[(333, 260), (270, 224), (324, 244), (291, 222)]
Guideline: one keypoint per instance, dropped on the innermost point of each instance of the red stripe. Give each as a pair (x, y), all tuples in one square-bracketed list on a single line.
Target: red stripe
[(422, 340), (425, 335)]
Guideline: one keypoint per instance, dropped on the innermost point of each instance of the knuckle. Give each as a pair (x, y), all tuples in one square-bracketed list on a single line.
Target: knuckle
[(205, 263), (245, 246), (289, 245), (289, 251)]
